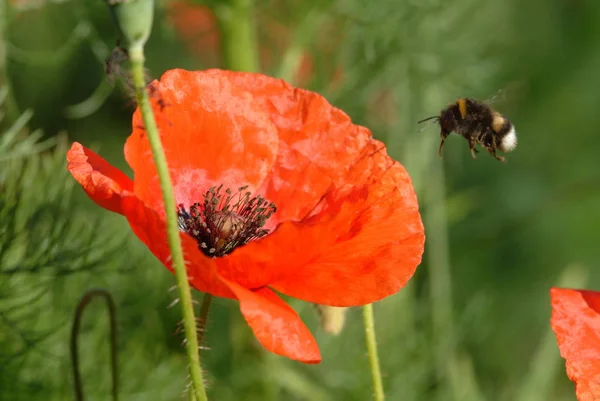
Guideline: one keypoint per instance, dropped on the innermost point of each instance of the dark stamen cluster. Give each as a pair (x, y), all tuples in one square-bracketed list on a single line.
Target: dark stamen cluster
[(226, 220)]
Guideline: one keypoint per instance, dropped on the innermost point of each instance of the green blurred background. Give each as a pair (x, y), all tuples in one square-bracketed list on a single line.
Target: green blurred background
[(473, 324)]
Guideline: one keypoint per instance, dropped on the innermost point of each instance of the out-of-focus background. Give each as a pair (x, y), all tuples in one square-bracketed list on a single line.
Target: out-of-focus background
[(473, 324)]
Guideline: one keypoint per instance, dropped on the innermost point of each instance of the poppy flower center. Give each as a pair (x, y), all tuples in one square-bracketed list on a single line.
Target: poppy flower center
[(225, 220)]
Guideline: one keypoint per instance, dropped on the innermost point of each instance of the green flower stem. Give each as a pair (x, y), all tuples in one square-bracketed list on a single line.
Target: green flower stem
[(369, 323), (239, 44), (136, 58)]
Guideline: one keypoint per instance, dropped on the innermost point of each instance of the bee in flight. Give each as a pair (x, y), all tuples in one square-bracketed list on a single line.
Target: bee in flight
[(479, 124)]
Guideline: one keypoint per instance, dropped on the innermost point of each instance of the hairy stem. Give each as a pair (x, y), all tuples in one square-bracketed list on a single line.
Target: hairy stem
[(136, 58), (369, 323)]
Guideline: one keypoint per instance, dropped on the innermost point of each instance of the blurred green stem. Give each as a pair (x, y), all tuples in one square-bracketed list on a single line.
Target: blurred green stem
[(11, 108), (291, 60), (440, 281), (136, 58), (369, 323), (206, 301), (112, 315), (239, 44)]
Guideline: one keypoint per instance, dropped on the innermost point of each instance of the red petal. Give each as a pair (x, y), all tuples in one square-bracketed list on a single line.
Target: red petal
[(576, 324), (317, 144), (103, 183), (363, 243), (348, 213), (152, 231), (234, 128), (275, 324), (213, 133)]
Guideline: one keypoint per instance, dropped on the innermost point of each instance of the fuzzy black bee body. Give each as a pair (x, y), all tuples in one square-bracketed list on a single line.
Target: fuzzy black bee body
[(479, 124)]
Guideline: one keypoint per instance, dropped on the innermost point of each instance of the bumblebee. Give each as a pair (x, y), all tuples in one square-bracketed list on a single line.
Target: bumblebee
[(479, 124)]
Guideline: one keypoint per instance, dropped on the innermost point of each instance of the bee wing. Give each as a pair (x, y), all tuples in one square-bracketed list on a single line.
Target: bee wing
[(511, 91), (498, 97)]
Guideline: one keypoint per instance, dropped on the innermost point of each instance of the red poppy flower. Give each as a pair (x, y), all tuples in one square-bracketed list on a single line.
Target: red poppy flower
[(277, 190), (576, 324)]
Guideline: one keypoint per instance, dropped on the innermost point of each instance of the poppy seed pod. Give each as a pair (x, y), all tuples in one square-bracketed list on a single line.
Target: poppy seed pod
[(133, 19)]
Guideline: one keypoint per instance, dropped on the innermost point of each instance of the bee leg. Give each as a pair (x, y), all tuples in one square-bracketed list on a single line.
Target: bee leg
[(472, 148), (444, 136), (492, 151), (502, 159)]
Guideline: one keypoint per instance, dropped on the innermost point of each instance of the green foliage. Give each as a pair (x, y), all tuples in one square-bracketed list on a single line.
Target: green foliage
[(43, 240), (471, 325)]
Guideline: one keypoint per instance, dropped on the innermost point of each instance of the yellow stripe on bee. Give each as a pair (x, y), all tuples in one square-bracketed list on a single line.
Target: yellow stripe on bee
[(497, 122), (462, 107)]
